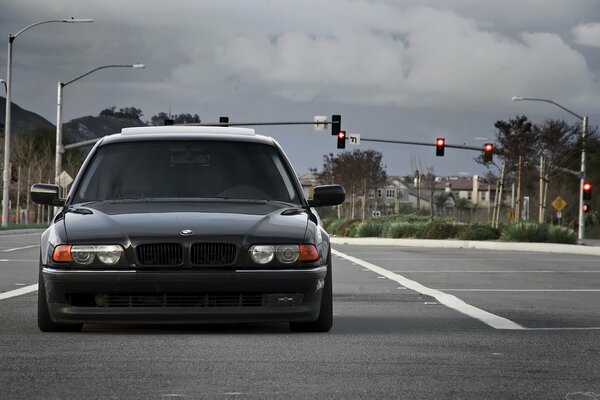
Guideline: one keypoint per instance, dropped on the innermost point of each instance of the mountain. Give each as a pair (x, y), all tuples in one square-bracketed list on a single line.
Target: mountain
[(90, 127), (22, 121), (76, 130)]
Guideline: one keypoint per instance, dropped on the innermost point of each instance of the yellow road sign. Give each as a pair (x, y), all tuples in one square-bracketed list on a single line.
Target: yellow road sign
[(559, 203)]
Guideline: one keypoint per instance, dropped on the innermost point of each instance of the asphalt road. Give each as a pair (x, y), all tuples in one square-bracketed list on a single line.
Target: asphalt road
[(388, 341)]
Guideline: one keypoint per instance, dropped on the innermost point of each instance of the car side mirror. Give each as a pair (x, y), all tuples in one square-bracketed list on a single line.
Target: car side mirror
[(46, 194), (327, 195)]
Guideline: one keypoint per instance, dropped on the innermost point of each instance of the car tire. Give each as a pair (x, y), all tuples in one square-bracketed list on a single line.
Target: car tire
[(45, 323), (325, 320)]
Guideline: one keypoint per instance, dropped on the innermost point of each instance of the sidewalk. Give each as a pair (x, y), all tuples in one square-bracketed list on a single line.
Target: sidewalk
[(587, 249)]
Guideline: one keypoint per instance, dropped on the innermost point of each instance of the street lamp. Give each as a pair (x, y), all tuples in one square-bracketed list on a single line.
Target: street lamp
[(584, 128), (6, 170), (59, 146), (2, 81)]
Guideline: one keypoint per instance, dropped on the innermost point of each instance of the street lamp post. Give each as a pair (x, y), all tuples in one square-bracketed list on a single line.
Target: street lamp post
[(6, 169), (59, 145), (584, 128)]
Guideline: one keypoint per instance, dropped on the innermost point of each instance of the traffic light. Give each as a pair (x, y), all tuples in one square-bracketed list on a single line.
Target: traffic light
[(586, 207), (341, 140), (587, 191), (223, 121), (336, 124), (169, 122), (440, 145), (488, 152)]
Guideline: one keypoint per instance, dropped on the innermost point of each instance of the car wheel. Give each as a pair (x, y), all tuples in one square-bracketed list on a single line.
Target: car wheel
[(325, 320), (43, 316)]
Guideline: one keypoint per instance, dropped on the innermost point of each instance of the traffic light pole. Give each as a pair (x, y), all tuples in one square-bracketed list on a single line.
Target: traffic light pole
[(452, 146), (581, 230)]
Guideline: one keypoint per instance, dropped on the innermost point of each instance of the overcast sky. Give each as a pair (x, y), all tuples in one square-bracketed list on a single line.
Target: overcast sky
[(407, 69)]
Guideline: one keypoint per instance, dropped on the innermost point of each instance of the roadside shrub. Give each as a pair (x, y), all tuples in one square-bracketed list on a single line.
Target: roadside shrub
[(525, 232), (479, 232), (441, 230), (342, 230), (369, 228), (351, 230), (333, 226), (561, 234), (403, 230)]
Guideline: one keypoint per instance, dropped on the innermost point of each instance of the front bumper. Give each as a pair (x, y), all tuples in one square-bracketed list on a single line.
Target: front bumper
[(299, 289)]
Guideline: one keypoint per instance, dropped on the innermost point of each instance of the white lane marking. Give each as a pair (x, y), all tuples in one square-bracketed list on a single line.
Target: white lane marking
[(450, 301), (21, 248), (7, 260), (19, 292), (521, 290), (496, 271), (581, 328), (21, 234)]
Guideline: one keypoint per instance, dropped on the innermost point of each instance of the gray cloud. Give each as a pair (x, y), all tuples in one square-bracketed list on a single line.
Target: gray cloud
[(587, 34), (409, 68)]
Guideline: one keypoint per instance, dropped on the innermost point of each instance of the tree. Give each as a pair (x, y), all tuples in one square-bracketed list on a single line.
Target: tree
[(159, 119), (517, 145), (358, 171), (123, 113)]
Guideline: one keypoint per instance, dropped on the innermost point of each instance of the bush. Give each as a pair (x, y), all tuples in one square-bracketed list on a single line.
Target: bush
[(441, 230), (403, 230), (525, 232), (351, 230), (342, 230), (479, 232), (369, 228), (561, 234), (333, 226)]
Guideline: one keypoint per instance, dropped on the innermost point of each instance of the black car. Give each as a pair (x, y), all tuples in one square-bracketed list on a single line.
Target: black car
[(185, 225)]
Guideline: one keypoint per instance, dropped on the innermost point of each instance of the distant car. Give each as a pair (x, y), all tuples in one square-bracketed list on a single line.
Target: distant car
[(184, 224)]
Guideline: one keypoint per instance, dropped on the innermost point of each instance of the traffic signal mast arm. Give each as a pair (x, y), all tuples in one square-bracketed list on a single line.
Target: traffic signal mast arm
[(453, 146)]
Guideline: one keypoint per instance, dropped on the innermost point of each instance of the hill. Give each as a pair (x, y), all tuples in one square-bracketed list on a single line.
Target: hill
[(76, 130), (22, 120), (92, 127)]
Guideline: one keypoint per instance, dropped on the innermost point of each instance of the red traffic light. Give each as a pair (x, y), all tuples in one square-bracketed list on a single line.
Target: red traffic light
[(341, 140), (586, 207), (440, 145), (488, 152), (587, 191)]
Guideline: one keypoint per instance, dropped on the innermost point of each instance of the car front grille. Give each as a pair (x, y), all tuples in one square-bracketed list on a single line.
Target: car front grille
[(212, 254), (201, 300), (163, 254), (172, 254)]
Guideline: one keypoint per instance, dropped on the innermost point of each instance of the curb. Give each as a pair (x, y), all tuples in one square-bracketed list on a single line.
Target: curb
[(472, 244)]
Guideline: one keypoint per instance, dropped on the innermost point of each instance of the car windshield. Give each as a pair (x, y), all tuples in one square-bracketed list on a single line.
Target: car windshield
[(186, 169)]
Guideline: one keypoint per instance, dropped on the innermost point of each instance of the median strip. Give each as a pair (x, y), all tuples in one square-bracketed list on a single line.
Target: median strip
[(448, 300)]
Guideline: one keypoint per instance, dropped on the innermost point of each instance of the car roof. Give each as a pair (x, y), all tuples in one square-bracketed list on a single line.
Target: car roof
[(179, 132)]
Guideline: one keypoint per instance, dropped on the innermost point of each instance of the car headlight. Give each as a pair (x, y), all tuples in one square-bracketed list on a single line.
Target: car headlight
[(109, 254), (83, 254), (262, 254), (86, 254), (288, 254), (285, 253)]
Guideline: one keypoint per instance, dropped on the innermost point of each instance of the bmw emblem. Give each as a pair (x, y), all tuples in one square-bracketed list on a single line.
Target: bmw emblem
[(186, 232)]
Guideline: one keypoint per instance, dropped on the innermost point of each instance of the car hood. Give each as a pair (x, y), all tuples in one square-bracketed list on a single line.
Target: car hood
[(135, 222)]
